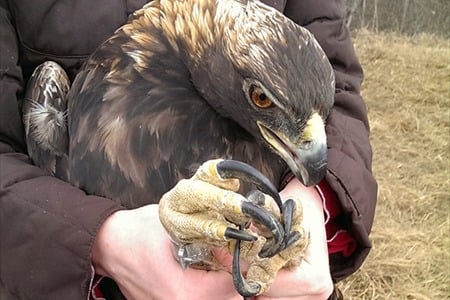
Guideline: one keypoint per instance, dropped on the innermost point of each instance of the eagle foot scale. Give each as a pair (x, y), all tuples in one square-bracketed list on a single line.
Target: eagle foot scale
[(206, 211)]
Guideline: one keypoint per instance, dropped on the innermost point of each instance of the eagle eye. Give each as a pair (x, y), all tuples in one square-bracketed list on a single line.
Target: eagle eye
[(259, 98)]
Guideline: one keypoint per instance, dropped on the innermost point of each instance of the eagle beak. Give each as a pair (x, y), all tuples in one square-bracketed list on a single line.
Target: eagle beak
[(307, 159)]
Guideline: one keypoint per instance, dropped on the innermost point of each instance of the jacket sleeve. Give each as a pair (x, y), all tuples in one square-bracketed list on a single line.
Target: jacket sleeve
[(46, 226), (349, 149)]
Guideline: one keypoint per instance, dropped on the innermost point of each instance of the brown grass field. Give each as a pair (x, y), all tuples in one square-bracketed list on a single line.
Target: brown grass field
[(407, 90)]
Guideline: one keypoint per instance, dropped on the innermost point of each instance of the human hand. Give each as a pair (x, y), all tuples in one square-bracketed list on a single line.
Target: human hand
[(311, 280), (133, 248), (204, 210)]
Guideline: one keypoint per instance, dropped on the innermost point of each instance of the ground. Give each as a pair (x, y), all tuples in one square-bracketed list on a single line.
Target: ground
[(407, 90)]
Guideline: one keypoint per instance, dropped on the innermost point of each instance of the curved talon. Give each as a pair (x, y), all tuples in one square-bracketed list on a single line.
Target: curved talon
[(244, 288), (269, 221), (236, 169), (290, 239), (270, 249), (239, 235), (288, 212), (247, 173)]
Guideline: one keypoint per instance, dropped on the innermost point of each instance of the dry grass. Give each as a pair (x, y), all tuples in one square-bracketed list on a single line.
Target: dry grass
[(407, 90)]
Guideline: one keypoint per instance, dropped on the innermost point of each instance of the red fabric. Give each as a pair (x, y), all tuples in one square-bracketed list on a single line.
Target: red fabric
[(96, 293), (339, 240)]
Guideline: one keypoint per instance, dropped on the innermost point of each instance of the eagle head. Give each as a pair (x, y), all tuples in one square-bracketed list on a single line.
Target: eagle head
[(257, 67)]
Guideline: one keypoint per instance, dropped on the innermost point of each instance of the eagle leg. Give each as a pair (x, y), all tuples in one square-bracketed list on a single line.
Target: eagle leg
[(206, 209)]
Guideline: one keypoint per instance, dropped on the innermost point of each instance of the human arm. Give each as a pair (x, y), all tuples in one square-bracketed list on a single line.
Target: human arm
[(323, 252), (349, 179), (132, 246), (323, 245), (349, 149), (311, 279), (46, 226), (52, 226)]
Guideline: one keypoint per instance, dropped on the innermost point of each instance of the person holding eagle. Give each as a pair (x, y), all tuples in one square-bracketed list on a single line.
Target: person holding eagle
[(214, 79)]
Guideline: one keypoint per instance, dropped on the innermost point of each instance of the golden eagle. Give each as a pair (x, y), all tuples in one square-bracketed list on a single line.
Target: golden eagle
[(182, 83)]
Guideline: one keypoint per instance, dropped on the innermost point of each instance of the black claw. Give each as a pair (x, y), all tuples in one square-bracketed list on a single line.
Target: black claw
[(244, 288), (291, 238), (271, 248), (239, 235), (247, 173), (282, 235), (288, 212), (269, 221)]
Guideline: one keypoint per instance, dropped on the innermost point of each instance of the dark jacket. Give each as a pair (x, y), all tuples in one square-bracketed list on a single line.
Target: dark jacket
[(47, 226)]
